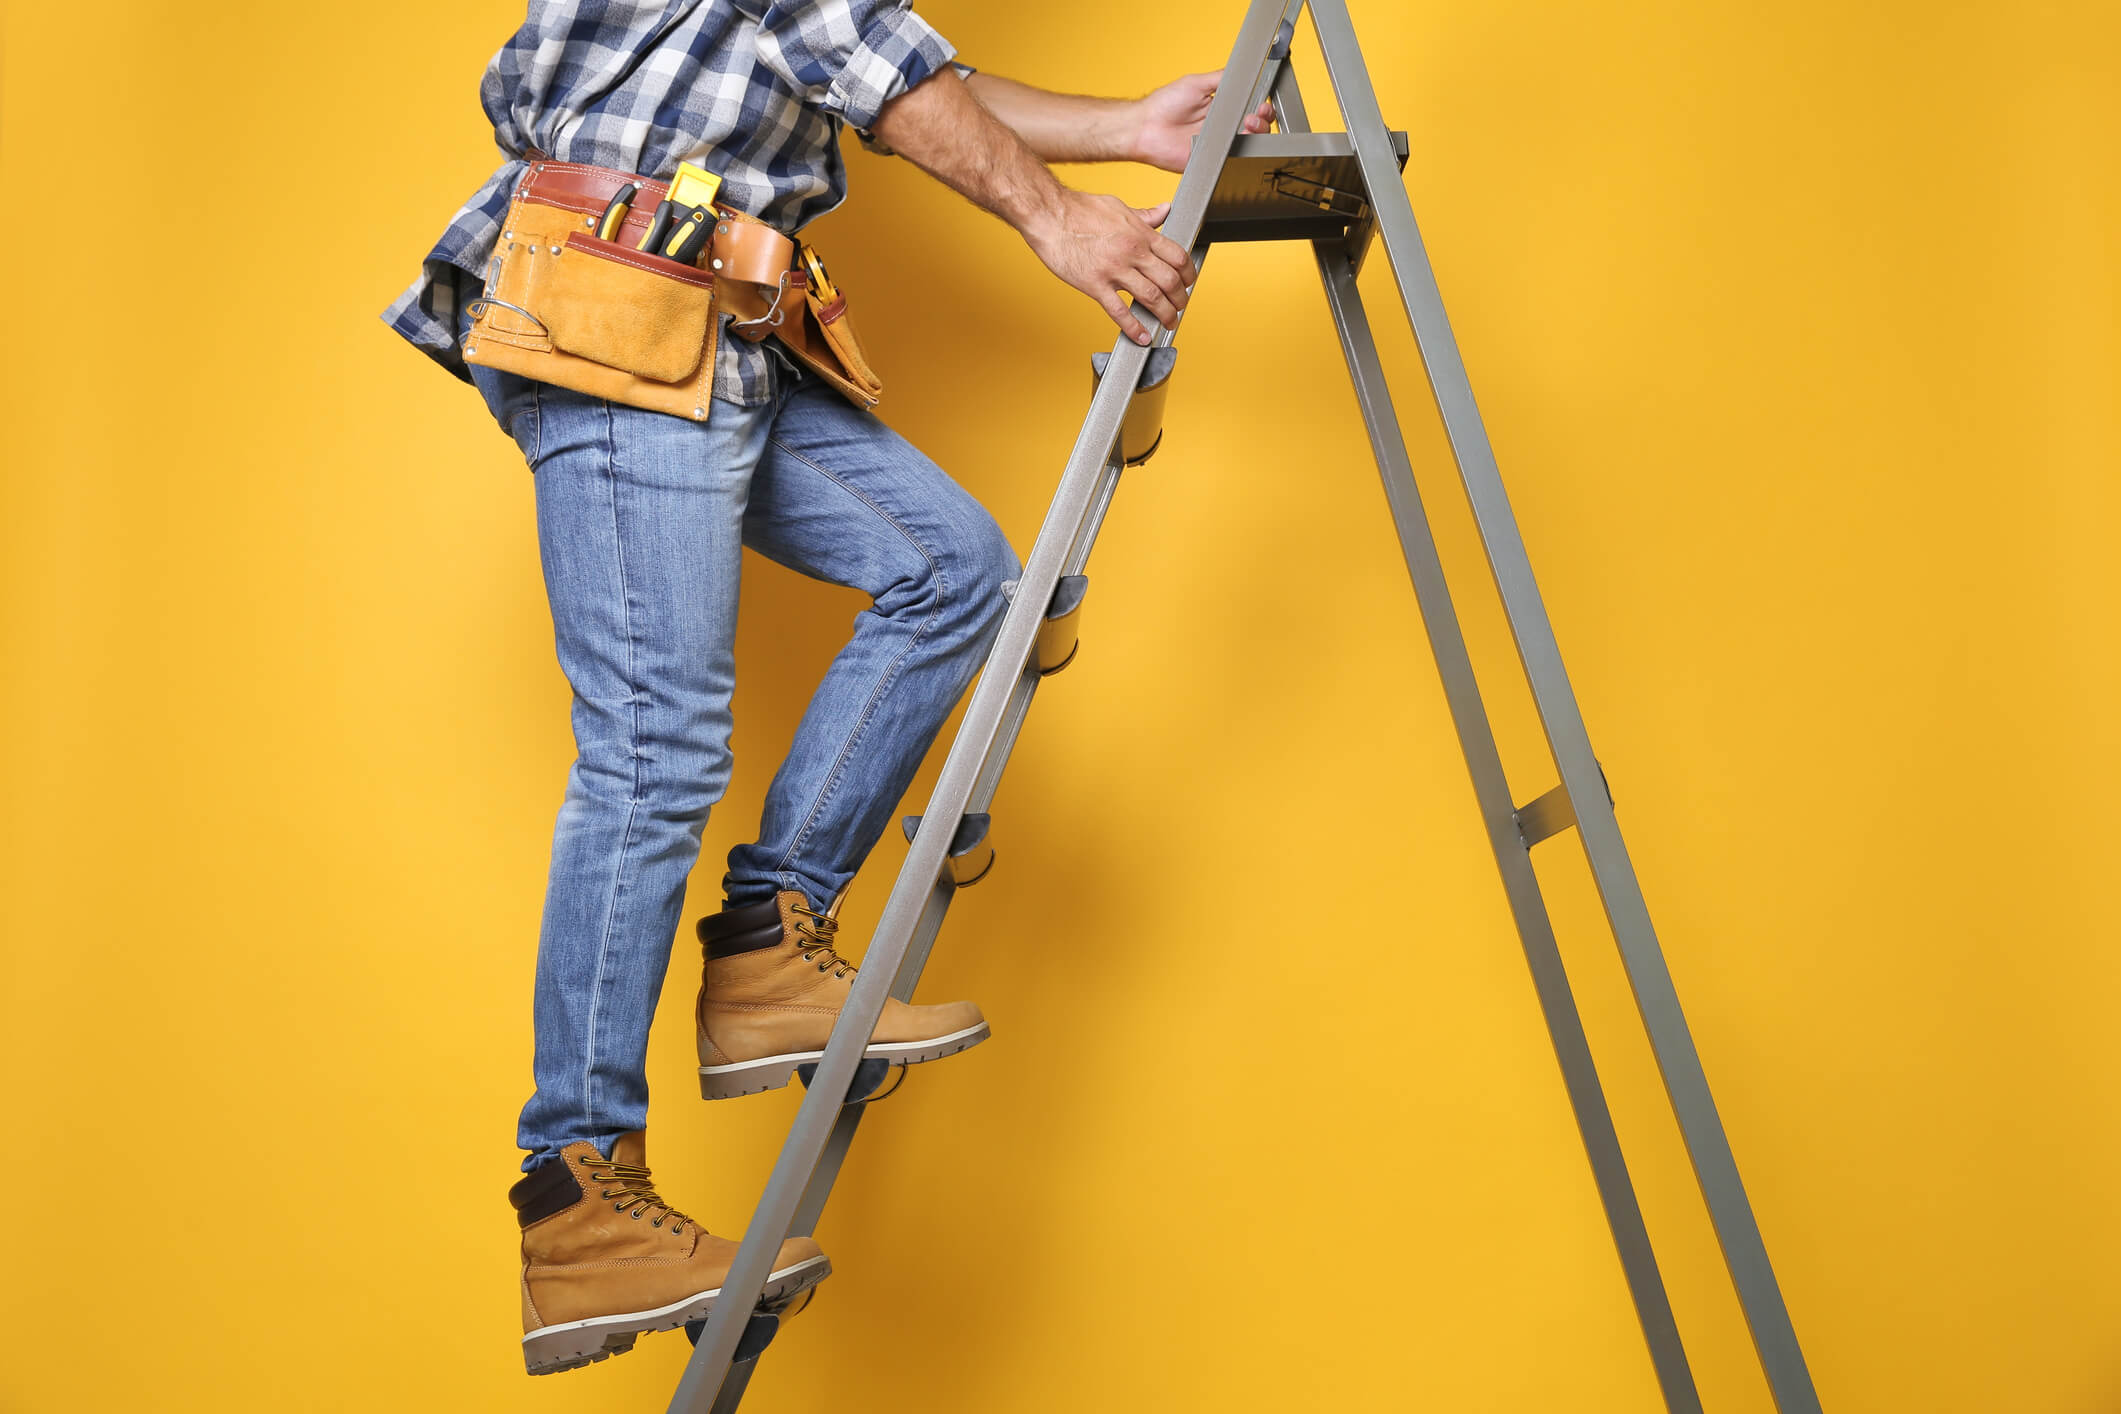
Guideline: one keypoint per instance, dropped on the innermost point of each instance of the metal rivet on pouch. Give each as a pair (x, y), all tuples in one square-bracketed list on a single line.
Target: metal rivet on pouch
[(510, 234), (699, 412), (555, 250), (471, 348), (718, 265)]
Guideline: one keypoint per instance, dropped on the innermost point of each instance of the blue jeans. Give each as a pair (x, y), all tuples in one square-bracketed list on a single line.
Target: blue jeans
[(641, 517)]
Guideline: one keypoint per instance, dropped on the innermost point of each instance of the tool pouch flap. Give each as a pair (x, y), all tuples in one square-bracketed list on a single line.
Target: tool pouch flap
[(829, 349), (836, 332), (627, 309)]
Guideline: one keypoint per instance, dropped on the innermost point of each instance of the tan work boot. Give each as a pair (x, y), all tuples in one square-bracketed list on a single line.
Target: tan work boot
[(604, 1258), (772, 986)]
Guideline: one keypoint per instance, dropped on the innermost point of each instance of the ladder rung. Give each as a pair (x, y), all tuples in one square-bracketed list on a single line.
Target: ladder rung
[(1058, 636), (971, 853), (1141, 431), (759, 1331), (870, 1074)]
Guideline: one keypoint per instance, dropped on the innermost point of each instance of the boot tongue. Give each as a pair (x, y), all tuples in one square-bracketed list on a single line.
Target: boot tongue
[(631, 1148)]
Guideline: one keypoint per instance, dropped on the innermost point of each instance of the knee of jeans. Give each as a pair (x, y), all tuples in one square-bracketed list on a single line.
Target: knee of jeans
[(672, 775), (982, 562)]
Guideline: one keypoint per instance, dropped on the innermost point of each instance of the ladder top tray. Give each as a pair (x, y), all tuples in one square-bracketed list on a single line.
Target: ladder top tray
[(1289, 187)]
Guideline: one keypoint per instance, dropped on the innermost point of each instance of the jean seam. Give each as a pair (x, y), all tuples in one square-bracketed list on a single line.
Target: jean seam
[(537, 422), (633, 787), (942, 599)]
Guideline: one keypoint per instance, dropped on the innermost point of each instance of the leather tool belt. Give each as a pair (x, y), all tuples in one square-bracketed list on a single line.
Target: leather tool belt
[(606, 319)]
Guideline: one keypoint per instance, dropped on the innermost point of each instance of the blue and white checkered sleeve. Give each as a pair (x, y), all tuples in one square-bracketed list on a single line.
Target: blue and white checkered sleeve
[(850, 57)]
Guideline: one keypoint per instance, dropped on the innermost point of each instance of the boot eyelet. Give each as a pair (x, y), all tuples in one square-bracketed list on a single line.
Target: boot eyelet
[(636, 1214), (822, 968)]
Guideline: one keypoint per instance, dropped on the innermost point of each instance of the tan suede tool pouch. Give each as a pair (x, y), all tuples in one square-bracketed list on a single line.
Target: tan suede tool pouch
[(607, 319), (596, 316)]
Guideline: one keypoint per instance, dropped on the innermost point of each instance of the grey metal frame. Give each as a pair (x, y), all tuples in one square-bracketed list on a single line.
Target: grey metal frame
[(809, 1163)]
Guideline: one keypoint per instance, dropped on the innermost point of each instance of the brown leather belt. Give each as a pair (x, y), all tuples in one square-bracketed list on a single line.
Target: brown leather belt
[(745, 248)]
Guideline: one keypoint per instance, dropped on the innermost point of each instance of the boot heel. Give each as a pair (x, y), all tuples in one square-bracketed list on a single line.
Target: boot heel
[(727, 1082), (570, 1349)]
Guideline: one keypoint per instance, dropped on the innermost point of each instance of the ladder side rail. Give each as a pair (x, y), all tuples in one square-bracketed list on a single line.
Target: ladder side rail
[(816, 1117), (823, 1177), (1101, 499), (1018, 707), (1657, 1000), (825, 1174), (731, 1394), (1535, 928)]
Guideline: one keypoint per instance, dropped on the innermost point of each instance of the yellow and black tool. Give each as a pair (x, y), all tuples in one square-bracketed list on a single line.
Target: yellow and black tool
[(827, 292), (684, 223), (615, 212)]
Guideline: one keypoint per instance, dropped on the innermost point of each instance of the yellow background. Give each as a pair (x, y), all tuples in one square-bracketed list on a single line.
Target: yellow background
[(1795, 329)]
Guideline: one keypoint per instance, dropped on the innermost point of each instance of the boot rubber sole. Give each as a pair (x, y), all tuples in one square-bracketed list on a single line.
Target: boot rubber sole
[(573, 1344), (726, 1082)]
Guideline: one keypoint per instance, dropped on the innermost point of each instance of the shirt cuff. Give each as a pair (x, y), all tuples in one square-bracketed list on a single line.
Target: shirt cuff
[(895, 53), (875, 144)]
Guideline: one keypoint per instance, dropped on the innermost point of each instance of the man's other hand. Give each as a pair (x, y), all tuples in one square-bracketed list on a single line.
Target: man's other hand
[(1102, 246), (1167, 120)]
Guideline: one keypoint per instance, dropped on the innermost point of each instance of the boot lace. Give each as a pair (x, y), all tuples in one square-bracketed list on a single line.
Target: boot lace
[(820, 931), (635, 1193)]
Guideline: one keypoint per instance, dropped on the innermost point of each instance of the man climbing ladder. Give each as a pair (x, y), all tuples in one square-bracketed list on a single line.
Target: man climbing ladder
[(643, 507)]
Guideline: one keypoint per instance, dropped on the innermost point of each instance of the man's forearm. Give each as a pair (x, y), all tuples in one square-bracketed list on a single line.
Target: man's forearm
[(1061, 127), (1096, 243), (940, 127)]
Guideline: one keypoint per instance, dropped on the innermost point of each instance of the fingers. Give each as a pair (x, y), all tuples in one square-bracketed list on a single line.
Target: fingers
[(1132, 259), (1162, 247), (1260, 118), (1124, 318), (1156, 288), (1173, 254)]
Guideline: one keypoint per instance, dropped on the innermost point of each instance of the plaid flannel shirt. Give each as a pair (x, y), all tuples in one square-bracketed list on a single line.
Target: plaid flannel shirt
[(753, 90)]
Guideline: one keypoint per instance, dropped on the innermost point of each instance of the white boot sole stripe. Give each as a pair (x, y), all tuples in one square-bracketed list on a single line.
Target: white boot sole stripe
[(621, 1318), (877, 1050)]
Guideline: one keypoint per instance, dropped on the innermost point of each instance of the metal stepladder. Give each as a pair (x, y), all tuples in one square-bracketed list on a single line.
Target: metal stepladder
[(1335, 190)]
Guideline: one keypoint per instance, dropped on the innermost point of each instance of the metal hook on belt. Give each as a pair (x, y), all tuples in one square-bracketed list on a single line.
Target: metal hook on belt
[(471, 307), (773, 316)]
